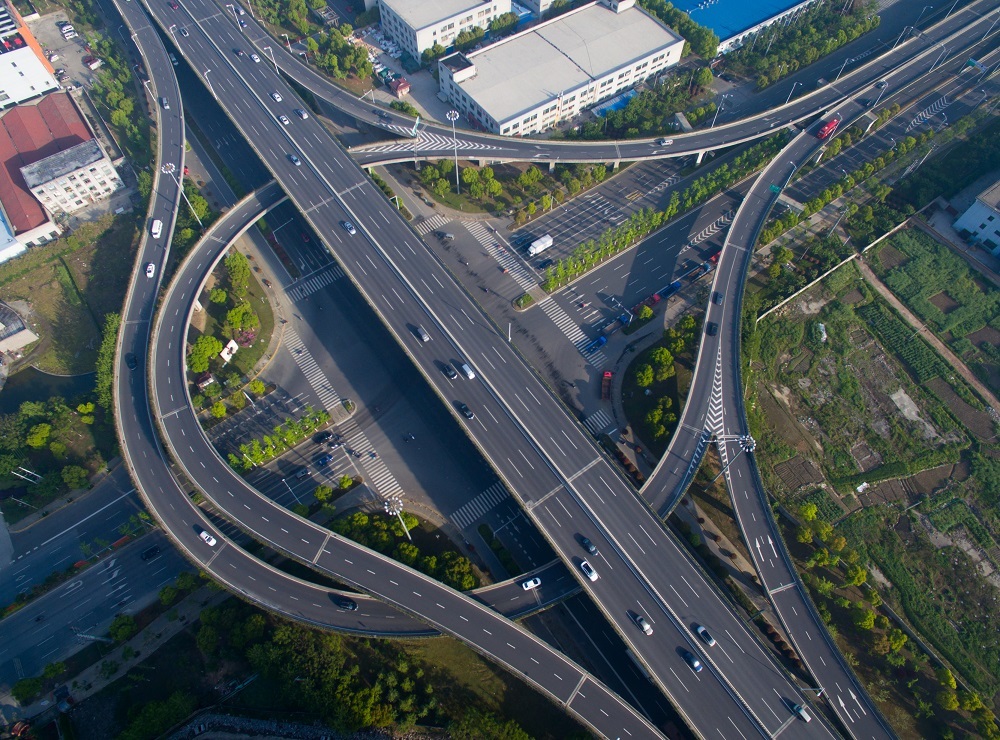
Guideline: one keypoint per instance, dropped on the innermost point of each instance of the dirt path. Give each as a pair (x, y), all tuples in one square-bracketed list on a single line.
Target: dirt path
[(950, 357)]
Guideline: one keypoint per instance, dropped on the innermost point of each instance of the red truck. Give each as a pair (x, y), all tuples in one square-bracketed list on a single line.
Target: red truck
[(828, 128), (606, 386)]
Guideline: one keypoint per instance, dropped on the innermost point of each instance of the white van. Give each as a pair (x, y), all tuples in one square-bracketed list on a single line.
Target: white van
[(467, 371), (801, 711), (156, 229)]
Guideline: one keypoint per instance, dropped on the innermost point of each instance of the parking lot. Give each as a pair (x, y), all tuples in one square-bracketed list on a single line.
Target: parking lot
[(68, 55)]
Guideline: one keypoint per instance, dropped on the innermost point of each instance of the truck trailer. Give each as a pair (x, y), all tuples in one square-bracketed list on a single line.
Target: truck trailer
[(539, 245)]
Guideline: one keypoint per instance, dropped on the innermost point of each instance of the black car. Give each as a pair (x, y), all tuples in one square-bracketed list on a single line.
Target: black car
[(589, 546), (323, 437), (131, 362), (712, 329), (466, 411), (545, 264), (449, 372), (717, 298), (150, 552), (345, 603)]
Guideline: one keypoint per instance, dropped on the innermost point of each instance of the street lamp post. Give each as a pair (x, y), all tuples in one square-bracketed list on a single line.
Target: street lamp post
[(452, 116), (849, 59), (287, 42), (170, 169), (209, 83), (944, 50), (926, 8), (880, 94), (718, 110), (952, 8), (991, 25), (900, 37), (394, 507), (791, 91), (270, 53), (747, 444)]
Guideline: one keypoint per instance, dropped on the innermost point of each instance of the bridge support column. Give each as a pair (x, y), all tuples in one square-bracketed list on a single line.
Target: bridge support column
[(552, 166), (701, 156), (614, 165)]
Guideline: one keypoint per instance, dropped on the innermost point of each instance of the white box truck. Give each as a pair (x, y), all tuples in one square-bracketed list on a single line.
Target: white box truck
[(539, 245)]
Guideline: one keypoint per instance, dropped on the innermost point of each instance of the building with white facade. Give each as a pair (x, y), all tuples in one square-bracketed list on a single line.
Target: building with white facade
[(25, 73), (981, 220), (531, 81), (73, 178), (416, 25)]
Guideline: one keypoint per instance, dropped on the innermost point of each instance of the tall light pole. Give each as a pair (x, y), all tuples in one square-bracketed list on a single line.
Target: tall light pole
[(170, 169), (926, 8), (747, 444), (452, 116), (791, 91), (719, 109), (849, 59), (270, 53), (944, 50), (900, 37), (991, 25), (952, 8), (394, 507), (209, 83), (287, 42)]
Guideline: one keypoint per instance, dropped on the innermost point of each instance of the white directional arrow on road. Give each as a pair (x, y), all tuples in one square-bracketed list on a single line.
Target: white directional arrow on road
[(857, 702), (844, 707), (771, 543)]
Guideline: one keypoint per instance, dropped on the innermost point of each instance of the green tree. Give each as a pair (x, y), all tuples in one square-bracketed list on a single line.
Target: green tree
[(204, 349), (38, 436), (864, 619), (186, 581), (804, 535), (25, 690), (663, 363), (168, 595), (208, 640), (645, 313), (242, 318), (470, 175), (218, 295), (123, 628), (218, 410), (947, 700), (945, 678), (257, 387), (54, 670), (345, 482), (156, 717), (703, 78), (75, 477), (808, 511), (238, 269), (502, 25), (477, 724), (644, 376), (323, 493), (856, 575), (106, 360)]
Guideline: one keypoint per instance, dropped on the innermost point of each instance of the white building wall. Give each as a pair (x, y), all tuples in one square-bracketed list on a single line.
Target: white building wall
[(23, 77), (983, 223), (79, 188), (443, 31), (561, 107)]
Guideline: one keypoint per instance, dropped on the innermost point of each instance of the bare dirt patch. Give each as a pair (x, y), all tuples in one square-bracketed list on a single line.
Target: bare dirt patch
[(866, 458), (810, 307), (910, 411), (891, 257), (886, 492), (798, 472), (944, 302), (929, 482), (977, 422), (852, 297), (777, 407), (986, 334)]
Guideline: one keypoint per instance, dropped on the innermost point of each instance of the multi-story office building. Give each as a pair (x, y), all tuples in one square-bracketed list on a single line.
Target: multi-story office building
[(73, 178), (981, 221)]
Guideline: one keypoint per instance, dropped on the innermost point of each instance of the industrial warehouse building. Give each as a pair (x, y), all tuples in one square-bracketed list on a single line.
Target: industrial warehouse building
[(532, 80), (416, 25)]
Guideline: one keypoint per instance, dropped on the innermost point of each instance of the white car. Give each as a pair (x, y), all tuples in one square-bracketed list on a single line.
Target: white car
[(209, 539), (664, 142), (641, 623), (704, 635), (276, 97), (255, 58), (301, 114), (284, 120), (588, 570), (531, 583), (349, 227), (150, 270), (294, 160)]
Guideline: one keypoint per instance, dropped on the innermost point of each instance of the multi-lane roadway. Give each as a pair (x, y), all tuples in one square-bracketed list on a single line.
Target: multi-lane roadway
[(551, 464)]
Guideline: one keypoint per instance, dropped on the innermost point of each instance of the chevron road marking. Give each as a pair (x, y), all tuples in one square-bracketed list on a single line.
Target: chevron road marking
[(714, 421), (426, 140), (932, 110)]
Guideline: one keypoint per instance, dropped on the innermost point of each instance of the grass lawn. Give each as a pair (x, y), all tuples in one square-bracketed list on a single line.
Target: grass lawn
[(464, 679), (69, 286)]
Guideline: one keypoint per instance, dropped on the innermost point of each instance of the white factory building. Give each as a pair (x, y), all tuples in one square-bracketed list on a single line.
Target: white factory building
[(25, 74), (73, 178), (416, 25), (981, 220), (531, 81)]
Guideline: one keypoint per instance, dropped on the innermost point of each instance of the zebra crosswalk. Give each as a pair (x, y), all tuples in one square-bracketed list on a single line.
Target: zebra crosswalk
[(376, 474), (311, 283), (598, 422), (514, 267), (429, 224), (568, 326), (328, 397), (479, 506)]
